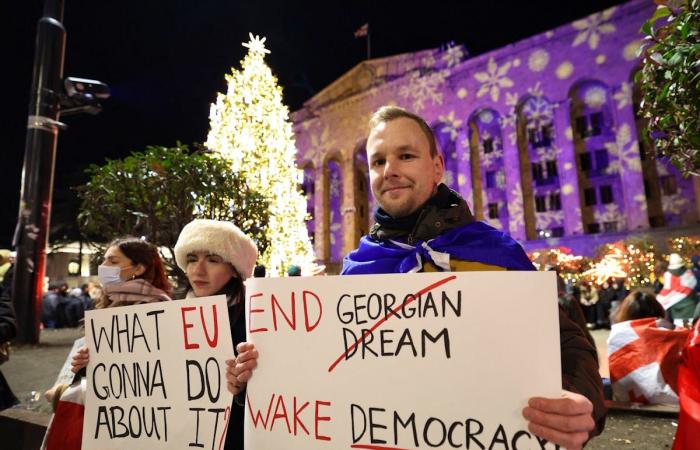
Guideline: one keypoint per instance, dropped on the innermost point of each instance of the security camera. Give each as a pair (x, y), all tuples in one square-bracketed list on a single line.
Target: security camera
[(82, 87), (83, 96)]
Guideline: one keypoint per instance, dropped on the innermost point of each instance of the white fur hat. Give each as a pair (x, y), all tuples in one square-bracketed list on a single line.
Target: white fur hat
[(675, 261), (219, 238)]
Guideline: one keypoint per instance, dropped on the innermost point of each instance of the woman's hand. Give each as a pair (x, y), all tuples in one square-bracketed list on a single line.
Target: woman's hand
[(80, 359), (240, 369)]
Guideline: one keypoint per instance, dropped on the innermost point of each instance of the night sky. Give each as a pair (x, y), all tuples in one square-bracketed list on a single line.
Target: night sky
[(165, 61)]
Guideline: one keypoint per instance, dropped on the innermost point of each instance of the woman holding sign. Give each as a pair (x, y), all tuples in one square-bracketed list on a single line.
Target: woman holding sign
[(217, 257), (132, 273)]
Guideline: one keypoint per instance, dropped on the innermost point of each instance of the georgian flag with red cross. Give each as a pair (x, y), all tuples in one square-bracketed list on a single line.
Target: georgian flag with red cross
[(688, 433), (644, 361), (65, 431), (676, 288)]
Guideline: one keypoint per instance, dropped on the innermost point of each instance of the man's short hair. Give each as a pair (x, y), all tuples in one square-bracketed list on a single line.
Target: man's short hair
[(389, 113)]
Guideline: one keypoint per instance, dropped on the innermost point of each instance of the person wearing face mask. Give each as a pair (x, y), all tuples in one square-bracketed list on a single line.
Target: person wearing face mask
[(217, 258), (132, 273)]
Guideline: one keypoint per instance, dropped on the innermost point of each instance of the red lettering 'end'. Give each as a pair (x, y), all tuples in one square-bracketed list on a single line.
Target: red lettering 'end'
[(254, 310)]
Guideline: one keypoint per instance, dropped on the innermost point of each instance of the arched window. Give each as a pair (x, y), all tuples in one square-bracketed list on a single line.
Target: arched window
[(597, 161), (308, 187), (487, 171), (446, 136), (334, 215), (539, 157), (670, 197)]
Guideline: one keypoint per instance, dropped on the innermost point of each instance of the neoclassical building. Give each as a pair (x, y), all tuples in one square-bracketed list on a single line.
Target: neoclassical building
[(542, 137)]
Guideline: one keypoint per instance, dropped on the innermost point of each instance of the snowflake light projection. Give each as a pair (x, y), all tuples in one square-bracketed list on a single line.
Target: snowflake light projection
[(623, 97), (493, 79), (450, 124), (610, 213), (422, 89), (592, 27), (548, 219), (674, 204), (625, 150), (453, 55), (595, 97), (538, 60)]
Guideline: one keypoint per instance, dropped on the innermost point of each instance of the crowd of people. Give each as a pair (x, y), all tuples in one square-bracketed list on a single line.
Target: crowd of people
[(676, 285), (418, 219), (654, 340), (63, 307)]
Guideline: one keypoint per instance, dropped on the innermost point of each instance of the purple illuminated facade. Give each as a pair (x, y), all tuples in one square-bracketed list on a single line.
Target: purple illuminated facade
[(541, 137)]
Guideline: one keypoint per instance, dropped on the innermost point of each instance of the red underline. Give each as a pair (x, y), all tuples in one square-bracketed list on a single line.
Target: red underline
[(375, 447), (408, 300)]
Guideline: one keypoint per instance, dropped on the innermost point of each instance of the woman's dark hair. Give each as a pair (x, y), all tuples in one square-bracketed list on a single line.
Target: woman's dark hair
[(639, 304), (142, 252), (235, 293)]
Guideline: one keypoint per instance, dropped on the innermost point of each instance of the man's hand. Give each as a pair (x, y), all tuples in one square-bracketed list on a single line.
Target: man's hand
[(566, 421)]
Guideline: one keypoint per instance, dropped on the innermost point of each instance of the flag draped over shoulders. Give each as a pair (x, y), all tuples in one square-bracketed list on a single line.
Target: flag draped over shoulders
[(474, 241), (644, 360), (688, 433)]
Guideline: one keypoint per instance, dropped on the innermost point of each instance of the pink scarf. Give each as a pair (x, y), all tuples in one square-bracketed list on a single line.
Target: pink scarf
[(133, 292)]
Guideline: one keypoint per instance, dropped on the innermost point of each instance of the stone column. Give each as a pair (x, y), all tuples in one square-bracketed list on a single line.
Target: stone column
[(514, 192), (464, 175), (566, 165), (631, 176), (347, 207), (320, 212)]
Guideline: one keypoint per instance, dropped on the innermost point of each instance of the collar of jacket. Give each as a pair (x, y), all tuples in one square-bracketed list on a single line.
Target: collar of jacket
[(434, 218)]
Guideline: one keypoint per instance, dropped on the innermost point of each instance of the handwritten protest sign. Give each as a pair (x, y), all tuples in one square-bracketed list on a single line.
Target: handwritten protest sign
[(157, 376), (66, 375), (448, 360)]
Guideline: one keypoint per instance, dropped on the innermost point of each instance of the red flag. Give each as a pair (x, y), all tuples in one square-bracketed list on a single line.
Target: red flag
[(362, 31), (644, 361), (689, 393), (65, 431)]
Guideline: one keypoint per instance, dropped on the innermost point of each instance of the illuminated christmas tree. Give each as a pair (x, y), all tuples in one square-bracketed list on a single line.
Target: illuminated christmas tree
[(249, 125)]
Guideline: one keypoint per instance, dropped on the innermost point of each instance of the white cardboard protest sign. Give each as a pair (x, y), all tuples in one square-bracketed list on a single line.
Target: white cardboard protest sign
[(157, 376), (453, 367)]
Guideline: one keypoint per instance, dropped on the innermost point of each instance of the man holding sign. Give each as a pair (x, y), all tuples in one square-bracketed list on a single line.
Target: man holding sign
[(422, 225)]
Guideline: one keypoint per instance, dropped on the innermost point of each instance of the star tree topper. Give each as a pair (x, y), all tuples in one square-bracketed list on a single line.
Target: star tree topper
[(256, 44)]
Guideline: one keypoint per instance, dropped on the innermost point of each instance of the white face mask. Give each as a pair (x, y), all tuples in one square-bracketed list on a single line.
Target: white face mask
[(109, 274)]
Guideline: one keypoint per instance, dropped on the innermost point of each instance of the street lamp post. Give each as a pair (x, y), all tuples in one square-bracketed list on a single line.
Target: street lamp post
[(31, 234)]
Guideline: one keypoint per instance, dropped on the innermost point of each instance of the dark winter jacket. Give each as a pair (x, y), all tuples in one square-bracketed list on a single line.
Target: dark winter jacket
[(8, 323)]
